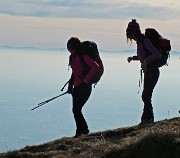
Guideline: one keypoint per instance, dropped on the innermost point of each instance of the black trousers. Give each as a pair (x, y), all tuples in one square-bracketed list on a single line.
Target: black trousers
[(150, 80), (80, 96)]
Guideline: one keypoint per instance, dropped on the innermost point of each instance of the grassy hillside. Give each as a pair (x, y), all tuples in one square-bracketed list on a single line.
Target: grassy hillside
[(157, 140)]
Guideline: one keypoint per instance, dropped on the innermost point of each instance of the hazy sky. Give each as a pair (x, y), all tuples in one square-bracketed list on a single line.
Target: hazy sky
[(50, 23)]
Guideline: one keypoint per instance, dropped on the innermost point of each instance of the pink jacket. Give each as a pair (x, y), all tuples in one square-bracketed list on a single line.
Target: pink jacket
[(77, 69)]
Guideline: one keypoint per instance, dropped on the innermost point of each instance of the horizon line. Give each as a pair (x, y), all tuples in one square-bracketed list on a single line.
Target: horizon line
[(58, 49)]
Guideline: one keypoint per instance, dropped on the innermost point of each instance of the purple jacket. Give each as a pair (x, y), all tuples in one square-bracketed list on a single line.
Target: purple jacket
[(77, 69), (155, 54)]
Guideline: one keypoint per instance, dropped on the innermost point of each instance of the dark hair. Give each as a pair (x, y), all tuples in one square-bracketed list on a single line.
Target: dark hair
[(74, 43), (132, 29)]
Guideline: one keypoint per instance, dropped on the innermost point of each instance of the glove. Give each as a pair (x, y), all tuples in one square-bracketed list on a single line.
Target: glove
[(70, 88), (144, 65), (129, 59)]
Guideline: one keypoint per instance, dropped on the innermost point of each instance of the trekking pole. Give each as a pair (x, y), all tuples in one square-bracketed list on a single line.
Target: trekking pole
[(64, 85), (44, 102)]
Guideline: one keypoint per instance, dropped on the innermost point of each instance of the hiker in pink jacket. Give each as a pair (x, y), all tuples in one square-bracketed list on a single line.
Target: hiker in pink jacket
[(80, 83)]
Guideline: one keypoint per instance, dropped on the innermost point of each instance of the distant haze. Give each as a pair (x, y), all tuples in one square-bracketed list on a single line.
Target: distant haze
[(50, 23)]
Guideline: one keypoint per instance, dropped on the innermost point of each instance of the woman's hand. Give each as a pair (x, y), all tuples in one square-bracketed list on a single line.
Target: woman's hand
[(129, 59), (144, 65), (70, 88)]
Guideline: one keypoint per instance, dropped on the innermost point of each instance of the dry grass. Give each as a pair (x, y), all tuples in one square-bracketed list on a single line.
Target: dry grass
[(157, 140)]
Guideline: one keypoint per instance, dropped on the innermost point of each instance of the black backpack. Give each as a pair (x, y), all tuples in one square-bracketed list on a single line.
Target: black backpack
[(90, 48), (161, 43)]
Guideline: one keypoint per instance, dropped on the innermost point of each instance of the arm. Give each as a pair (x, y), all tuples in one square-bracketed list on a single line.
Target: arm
[(129, 59), (94, 68), (155, 53)]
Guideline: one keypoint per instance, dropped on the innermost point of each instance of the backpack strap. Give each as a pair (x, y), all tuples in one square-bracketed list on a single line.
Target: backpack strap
[(147, 52), (140, 80), (84, 65), (70, 60), (70, 82)]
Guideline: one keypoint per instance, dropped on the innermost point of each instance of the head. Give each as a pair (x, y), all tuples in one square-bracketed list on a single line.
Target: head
[(73, 45), (133, 30)]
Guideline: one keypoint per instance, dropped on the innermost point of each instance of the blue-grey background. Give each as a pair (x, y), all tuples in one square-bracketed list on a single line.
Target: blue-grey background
[(30, 76)]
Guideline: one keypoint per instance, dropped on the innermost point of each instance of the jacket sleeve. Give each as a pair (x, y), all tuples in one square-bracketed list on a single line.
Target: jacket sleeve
[(135, 57), (94, 68), (155, 54)]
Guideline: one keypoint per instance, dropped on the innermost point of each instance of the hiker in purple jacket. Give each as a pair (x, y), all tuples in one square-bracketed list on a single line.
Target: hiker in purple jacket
[(80, 86), (148, 56)]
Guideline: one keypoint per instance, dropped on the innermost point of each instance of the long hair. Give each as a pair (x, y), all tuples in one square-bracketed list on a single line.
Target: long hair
[(128, 38), (133, 29)]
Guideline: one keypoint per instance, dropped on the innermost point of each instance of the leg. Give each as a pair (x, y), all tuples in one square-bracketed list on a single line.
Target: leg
[(80, 96), (150, 81)]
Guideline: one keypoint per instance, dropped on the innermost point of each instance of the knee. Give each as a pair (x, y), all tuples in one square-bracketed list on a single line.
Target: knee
[(146, 96), (143, 97), (76, 110)]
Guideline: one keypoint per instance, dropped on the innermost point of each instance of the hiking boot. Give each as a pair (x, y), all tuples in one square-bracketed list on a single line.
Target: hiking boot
[(78, 133), (145, 122), (147, 117), (86, 131)]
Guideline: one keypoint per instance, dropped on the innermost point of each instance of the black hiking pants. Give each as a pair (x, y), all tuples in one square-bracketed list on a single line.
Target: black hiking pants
[(80, 96), (150, 79)]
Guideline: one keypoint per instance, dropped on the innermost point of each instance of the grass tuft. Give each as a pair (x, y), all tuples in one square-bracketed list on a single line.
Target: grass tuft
[(156, 140)]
